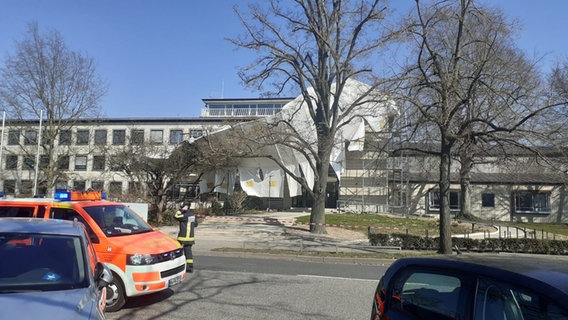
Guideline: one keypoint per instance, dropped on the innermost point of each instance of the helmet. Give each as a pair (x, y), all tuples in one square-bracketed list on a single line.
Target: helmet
[(183, 204)]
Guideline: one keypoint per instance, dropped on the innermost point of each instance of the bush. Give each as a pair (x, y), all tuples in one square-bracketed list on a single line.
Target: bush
[(412, 242)]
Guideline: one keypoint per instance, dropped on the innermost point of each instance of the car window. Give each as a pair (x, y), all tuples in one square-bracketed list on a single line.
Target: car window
[(39, 262), (70, 214), (17, 212), (497, 300), (427, 295)]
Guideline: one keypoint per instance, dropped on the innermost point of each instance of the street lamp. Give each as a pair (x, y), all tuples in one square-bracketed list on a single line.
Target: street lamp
[(269, 185), (38, 151)]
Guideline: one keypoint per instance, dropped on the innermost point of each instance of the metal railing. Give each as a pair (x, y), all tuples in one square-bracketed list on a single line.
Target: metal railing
[(239, 112)]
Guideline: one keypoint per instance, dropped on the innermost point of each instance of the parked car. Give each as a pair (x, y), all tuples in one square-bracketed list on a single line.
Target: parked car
[(142, 260), (476, 286), (49, 270)]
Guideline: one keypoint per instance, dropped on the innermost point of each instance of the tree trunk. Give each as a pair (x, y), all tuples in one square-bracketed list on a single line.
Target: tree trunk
[(465, 183), (317, 216), (445, 246)]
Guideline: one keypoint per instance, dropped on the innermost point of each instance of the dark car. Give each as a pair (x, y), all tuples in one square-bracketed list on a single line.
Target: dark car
[(464, 286), (49, 270)]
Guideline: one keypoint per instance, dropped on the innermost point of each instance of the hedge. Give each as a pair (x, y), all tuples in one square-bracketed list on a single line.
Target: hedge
[(520, 245)]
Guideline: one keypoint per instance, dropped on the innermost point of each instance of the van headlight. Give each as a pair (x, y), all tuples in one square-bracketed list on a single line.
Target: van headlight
[(138, 259)]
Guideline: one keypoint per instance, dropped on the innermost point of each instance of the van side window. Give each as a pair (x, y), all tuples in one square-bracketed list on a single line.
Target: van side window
[(70, 214), (18, 212)]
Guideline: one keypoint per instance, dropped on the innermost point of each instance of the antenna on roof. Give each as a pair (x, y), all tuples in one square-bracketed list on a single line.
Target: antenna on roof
[(222, 89)]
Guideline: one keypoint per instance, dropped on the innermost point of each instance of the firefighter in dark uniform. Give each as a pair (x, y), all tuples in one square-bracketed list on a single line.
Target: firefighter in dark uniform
[(186, 236)]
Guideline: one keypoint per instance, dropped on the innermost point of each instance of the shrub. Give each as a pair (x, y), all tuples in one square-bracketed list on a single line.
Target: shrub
[(412, 242)]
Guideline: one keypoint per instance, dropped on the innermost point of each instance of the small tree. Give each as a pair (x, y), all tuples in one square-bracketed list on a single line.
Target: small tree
[(158, 167)]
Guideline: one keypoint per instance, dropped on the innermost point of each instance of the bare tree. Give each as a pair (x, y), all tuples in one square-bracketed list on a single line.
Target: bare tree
[(316, 48), (45, 78), (470, 86)]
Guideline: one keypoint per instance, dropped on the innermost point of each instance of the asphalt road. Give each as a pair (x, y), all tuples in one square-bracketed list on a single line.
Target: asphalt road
[(252, 288)]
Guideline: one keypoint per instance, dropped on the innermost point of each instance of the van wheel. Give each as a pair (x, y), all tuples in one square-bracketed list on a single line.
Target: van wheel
[(116, 296)]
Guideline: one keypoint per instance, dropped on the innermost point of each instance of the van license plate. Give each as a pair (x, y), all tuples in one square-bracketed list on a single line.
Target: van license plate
[(174, 281)]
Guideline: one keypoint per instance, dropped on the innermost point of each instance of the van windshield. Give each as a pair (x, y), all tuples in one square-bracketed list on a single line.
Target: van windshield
[(117, 220)]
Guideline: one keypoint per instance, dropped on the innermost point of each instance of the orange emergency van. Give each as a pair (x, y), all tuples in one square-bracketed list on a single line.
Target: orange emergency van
[(142, 260)]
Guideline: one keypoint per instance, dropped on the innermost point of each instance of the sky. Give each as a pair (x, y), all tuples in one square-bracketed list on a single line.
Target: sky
[(161, 58)]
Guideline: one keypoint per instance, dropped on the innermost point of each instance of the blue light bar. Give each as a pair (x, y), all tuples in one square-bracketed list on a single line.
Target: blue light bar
[(62, 195)]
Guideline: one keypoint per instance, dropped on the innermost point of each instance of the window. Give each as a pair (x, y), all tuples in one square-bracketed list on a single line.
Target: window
[(43, 162), (532, 202), (176, 136), (63, 163), (195, 133), (11, 162), (98, 185), (488, 200), (100, 137), (134, 188), (157, 136), (434, 200), (60, 184), (80, 163), (26, 187), (70, 214), (397, 197), (137, 137), (499, 300), (428, 295), (79, 185), (115, 188), (65, 137), (30, 137), (29, 163), (98, 163), (10, 186), (82, 137), (118, 137), (14, 137)]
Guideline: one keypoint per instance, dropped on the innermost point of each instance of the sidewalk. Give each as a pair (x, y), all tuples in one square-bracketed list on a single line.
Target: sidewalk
[(274, 231), (277, 231)]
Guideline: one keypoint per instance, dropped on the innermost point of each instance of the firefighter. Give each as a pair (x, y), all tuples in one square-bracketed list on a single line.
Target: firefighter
[(186, 236)]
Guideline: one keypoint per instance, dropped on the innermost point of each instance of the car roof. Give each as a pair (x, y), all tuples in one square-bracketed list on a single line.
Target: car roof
[(38, 225), (551, 270)]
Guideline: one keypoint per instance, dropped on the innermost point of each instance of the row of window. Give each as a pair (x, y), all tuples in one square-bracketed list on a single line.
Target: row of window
[(100, 136), (63, 163), (522, 201), (25, 187)]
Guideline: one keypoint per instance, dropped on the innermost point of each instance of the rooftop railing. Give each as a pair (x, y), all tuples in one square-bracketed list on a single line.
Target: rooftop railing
[(239, 112)]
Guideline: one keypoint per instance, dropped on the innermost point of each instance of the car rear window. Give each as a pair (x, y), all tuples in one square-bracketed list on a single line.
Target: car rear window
[(41, 262)]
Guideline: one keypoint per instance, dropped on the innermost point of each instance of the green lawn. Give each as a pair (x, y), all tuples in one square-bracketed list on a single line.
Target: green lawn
[(418, 226)]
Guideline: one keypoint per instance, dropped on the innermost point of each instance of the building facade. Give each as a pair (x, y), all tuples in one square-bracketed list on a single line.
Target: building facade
[(373, 180)]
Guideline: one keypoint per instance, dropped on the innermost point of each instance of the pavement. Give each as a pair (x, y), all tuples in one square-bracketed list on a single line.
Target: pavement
[(248, 233)]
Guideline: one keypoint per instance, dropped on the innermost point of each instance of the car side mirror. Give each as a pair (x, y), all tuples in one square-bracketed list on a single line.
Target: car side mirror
[(103, 275)]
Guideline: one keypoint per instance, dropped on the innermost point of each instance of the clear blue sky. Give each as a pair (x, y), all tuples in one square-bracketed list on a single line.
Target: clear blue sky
[(161, 58)]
